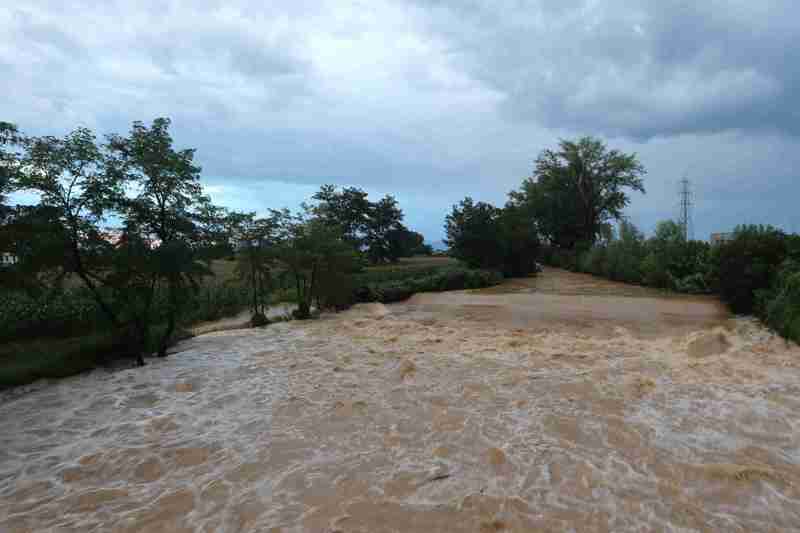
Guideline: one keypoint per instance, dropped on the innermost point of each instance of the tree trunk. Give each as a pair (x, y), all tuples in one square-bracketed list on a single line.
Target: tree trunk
[(164, 343)]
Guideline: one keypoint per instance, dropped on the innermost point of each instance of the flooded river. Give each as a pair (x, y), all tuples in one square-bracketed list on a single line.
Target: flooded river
[(563, 403)]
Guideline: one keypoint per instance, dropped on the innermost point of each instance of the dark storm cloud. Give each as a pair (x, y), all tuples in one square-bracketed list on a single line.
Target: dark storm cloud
[(638, 69), (431, 100)]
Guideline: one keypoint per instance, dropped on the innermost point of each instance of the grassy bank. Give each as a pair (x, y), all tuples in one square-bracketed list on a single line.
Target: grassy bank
[(757, 271), (64, 334), (393, 283), (29, 360)]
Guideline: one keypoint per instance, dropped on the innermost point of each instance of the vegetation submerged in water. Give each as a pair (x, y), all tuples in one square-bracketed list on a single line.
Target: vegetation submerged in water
[(756, 272), (26, 361), (395, 285)]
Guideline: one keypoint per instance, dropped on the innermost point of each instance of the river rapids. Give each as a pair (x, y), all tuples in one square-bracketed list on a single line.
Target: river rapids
[(561, 403)]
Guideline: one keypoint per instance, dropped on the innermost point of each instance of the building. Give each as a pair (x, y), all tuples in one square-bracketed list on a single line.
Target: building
[(719, 238), (8, 259)]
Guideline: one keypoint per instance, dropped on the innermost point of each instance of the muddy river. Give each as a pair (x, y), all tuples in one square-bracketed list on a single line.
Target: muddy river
[(562, 403)]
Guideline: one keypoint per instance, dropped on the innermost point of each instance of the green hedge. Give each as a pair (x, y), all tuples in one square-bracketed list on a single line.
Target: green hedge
[(73, 312), (779, 306), (757, 271), (395, 286)]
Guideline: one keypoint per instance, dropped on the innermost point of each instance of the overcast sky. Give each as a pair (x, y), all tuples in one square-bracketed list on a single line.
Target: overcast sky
[(430, 100)]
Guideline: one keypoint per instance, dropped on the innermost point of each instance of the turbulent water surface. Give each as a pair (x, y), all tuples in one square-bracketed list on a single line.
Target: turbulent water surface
[(563, 403)]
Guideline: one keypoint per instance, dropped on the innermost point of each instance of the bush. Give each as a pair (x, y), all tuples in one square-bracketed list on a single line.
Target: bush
[(73, 312), (58, 314), (654, 272), (487, 237), (749, 263), (560, 258), (779, 307), (594, 261), (401, 286), (692, 284)]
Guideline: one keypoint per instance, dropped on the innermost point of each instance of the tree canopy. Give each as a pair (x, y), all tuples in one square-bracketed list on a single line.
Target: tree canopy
[(373, 228), (484, 236), (577, 189)]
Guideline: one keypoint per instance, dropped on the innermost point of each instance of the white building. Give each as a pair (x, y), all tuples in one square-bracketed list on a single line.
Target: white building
[(8, 259), (719, 238)]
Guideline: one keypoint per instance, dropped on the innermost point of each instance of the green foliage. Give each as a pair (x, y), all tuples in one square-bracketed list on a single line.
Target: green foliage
[(749, 263), (400, 284), (59, 314), (255, 260), (780, 305), (47, 358), (576, 190), (487, 237), (318, 262), (372, 227), (74, 312), (10, 142), (664, 261), (677, 264), (27, 361), (624, 255)]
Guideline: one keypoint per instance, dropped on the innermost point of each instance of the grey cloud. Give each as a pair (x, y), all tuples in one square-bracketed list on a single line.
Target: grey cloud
[(430, 100), (637, 69)]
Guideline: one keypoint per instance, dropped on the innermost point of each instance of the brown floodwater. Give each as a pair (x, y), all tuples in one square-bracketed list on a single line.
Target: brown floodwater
[(561, 403)]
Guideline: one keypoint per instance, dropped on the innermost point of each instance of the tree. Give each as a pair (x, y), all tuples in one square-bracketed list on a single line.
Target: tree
[(349, 209), (367, 226), (254, 261), (472, 234), (749, 263), (163, 210), (69, 175), (10, 143), (577, 189), (37, 238), (318, 260), (403, 242), (624, 255), (213, 237), (484, 236), (385, 218), (519, 240)]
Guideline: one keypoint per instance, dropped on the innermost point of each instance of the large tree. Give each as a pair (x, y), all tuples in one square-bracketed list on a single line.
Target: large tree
[(76, 194), (11, 142), (472, 233), (163, 211), (317, 259), (368, 226), (255, 242), (577, 189), (484, 236)]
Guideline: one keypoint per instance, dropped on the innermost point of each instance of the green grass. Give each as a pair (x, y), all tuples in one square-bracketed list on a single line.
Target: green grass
[(421, 261), (80, 341), (24, 362), (393, 283)]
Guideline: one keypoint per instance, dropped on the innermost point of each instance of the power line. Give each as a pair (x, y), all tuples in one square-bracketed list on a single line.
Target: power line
[(686, 204)]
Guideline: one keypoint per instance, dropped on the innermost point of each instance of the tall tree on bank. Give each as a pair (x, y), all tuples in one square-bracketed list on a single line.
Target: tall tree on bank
[(77, 194), (163, 211), (255, 240), (317, 259), (484, 236), (577, 189), (10, 152), (368, 226)]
